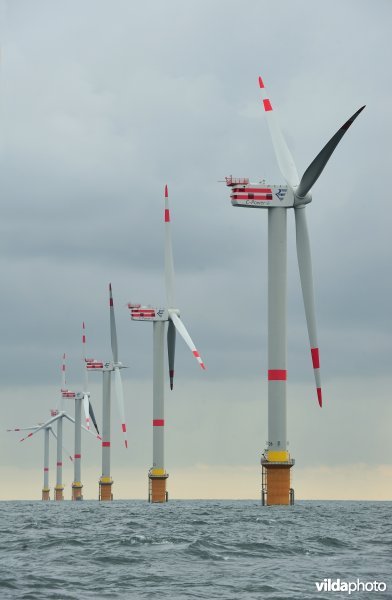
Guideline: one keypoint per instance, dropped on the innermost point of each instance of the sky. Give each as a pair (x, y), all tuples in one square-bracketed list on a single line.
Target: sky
[(102, 104)]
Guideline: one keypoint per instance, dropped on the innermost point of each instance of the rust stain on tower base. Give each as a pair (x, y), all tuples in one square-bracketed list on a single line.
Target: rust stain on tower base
[(58, 493), (77, 491), (45, 494), (276, 488), (105, 491), (157, 488)]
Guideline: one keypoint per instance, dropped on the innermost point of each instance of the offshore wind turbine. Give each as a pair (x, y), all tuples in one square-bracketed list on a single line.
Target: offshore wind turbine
[(107, 368), (57, 416), (276, 461), (46, 430), (159, 316)]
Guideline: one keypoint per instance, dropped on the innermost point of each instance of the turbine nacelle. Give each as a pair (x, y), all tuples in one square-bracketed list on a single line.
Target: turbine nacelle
[(259, 195), (67, 394), (147, 313)]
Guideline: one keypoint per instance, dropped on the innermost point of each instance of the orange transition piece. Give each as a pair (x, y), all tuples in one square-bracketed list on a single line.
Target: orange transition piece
[(77, 491), (157, 488), (277, 484), (45, 494), (58, 493), (105, 491)]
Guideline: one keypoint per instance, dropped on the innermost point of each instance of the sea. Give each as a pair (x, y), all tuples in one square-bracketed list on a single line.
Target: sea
[(130, 549)]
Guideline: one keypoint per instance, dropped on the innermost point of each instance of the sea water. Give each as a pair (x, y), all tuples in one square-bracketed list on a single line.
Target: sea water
[(193, 549)]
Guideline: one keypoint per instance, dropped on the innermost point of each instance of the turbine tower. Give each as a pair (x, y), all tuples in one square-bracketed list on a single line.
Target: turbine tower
[(276, 461), (106, 481), (157, 475)]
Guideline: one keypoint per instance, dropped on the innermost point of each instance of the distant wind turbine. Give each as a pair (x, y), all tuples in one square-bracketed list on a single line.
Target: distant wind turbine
[(158, 316), (107, 368)]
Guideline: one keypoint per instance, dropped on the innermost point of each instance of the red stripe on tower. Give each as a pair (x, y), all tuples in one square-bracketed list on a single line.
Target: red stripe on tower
[(277, 374), (46, 469), (106, 444), (158, 422), (78, 456), (315, 358), (267, 105), (59, 464)]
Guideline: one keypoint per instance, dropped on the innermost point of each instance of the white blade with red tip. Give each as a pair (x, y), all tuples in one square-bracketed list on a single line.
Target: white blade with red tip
[(305, 272), (98, 437), (85, 384), (284, 157), (169, 265), (118, 386), (179, 325), (86, 408), (23, 428), (117, 376), (48, 422)]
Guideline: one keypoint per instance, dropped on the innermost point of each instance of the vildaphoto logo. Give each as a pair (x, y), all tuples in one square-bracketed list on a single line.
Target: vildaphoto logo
[(337, 585)]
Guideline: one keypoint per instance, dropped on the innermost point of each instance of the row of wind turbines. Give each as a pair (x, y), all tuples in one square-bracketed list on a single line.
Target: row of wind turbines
[(159, 317), (276, 460)]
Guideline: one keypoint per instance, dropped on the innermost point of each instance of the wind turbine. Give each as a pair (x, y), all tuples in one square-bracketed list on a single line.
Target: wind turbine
[(106, 481), (46, 430), (157, 474), (58, 416), (276, 461)]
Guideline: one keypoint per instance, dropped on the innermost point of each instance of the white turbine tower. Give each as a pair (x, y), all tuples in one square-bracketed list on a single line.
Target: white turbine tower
[(276, 461), (157, 474), (114, 366)]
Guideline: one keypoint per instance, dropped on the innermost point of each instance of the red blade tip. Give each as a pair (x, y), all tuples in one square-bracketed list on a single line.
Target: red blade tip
[(319, 397), (261, 83)]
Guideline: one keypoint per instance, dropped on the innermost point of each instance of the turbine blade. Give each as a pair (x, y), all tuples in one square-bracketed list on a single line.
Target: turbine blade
[(171, 350), (120, 402), (23, 428), (92, 415), (86, 404), (63, 382), (169, 266), (179, 325), (85, 383), (284, 157), (316, 167), (113, 331), (305, 272), (98, 437), (48, 422), (67, 452)]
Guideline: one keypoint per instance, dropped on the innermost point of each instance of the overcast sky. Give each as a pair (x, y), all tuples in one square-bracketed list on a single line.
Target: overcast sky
[(102, 104)]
